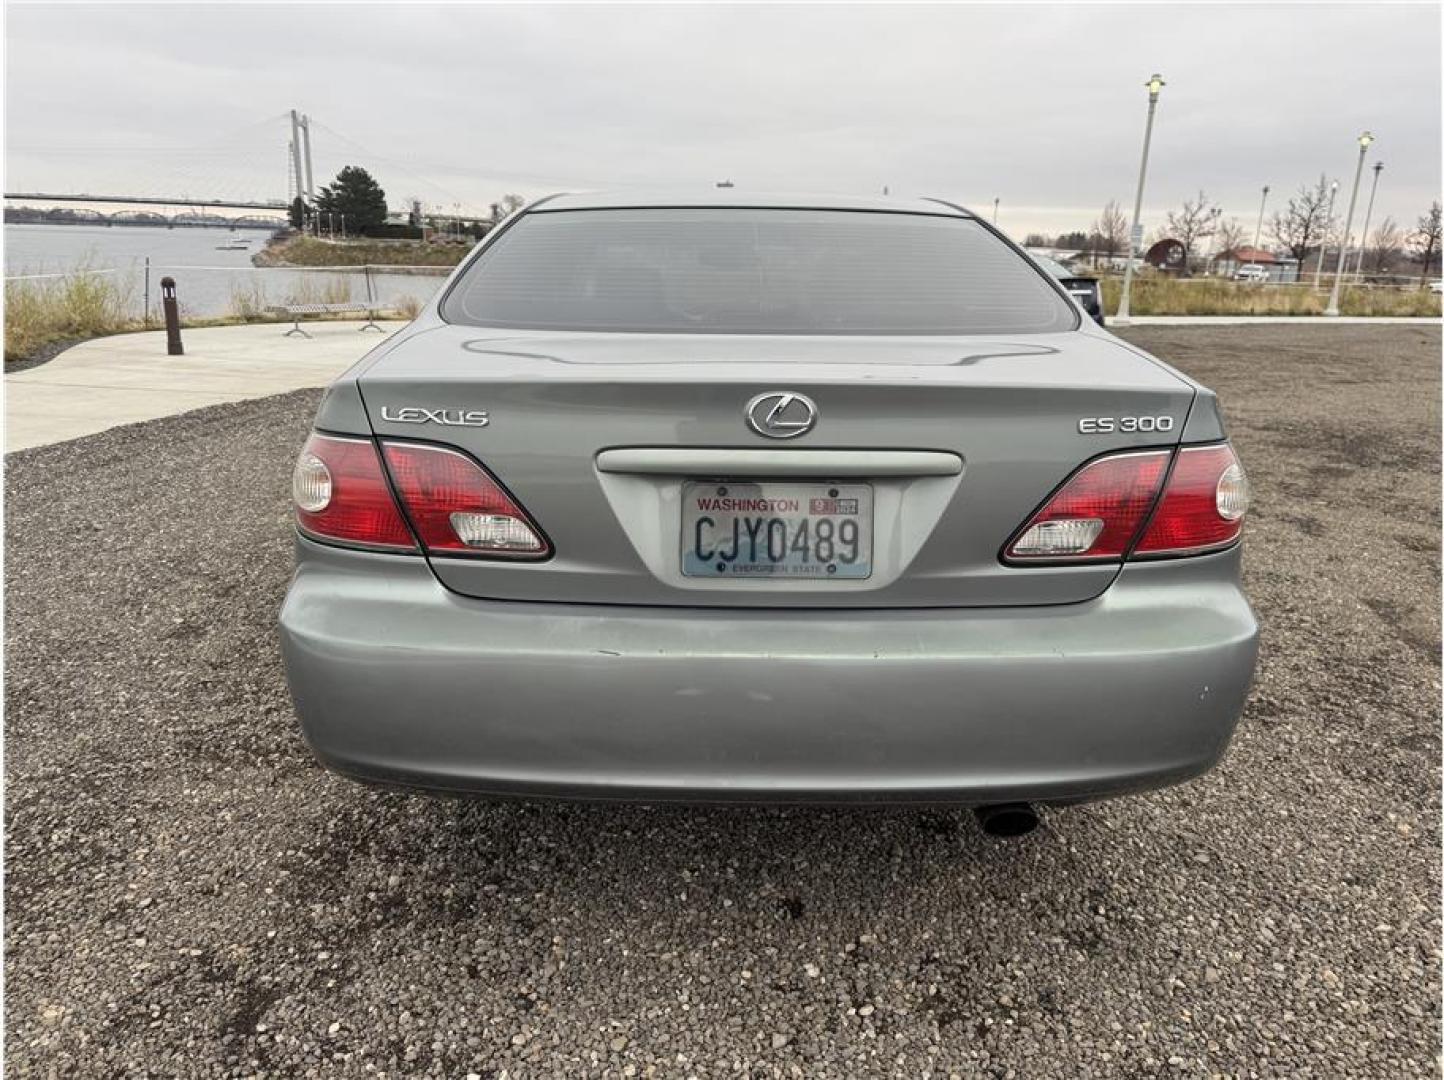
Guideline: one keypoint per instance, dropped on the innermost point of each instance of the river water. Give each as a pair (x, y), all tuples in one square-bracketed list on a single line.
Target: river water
[(208, 281)]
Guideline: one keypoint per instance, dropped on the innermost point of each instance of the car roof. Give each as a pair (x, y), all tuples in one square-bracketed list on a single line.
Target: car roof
[(655, 198)]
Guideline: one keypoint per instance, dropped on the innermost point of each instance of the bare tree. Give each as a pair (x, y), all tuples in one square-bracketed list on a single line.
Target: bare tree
[(1387, 243), (1424, 241), (1304, 223), (1192, 225), (1230, 236), (507, 205), (1111, 230)]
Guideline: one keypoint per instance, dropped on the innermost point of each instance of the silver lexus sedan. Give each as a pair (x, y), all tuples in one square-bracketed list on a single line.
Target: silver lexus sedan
[(773, 497)]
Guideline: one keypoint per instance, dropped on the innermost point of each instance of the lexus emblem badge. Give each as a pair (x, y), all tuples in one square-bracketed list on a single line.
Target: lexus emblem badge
[(781, 414)]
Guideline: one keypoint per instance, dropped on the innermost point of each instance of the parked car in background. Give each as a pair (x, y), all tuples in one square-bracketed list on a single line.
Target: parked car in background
[(1084, 288), (1251, 273), (713, 497), (1436, 286)]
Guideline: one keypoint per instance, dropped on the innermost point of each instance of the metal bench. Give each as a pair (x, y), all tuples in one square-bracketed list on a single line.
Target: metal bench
[(295, 311)]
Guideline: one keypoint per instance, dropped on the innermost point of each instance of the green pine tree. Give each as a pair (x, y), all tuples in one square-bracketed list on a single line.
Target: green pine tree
[(356, 195)]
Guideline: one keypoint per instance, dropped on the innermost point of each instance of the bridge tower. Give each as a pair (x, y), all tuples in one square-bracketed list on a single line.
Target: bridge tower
[(297, 164), (306, 157)]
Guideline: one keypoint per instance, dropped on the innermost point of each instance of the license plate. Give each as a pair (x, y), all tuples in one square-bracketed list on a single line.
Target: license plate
[(776, 530)]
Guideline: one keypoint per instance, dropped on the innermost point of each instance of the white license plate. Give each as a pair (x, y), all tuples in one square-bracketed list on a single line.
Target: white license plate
[(776, 530)]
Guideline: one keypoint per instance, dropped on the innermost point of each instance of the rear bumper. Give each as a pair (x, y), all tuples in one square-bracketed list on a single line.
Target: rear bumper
[(396, 680)]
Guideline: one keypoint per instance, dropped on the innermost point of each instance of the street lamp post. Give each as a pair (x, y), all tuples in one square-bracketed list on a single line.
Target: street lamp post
[(1135, 234), (1368, 215), (1324, 246), (1258, 229), (995, 210), (1333, 309)]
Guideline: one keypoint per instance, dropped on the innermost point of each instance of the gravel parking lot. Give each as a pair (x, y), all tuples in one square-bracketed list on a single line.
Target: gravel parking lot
[(188, 894)]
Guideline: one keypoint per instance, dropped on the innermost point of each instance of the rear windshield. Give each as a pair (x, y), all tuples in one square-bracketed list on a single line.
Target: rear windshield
[(754, 271)]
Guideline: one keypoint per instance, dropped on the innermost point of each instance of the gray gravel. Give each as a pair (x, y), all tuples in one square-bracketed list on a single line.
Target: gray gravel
[(188, 894)]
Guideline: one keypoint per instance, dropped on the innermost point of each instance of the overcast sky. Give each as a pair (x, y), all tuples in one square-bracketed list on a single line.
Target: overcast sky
[(1040, 106)]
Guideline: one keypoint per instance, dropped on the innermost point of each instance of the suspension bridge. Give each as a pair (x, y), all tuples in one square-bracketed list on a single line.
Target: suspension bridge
[(249, 177)]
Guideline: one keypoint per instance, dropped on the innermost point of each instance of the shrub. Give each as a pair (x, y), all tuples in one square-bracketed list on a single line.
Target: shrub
[(81, 304), (249, 301)]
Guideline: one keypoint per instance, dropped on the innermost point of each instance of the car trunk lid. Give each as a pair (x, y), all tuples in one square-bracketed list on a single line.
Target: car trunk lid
[(951, 442)]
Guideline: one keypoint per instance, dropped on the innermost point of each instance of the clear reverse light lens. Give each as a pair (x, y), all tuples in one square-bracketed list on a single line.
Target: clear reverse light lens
[(1061, 536), (494, 532), (1231, 496), (311, 484)]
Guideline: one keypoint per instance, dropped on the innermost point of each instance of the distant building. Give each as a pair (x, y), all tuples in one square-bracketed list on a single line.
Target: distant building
[(1227, 263)]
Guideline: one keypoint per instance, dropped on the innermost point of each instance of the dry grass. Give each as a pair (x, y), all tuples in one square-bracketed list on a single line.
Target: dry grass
[(249, 302), (1207, 296), (80, 305), (407, 306), (84, 304)]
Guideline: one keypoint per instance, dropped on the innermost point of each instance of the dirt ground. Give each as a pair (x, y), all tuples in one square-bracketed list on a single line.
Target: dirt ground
[(188, 894)]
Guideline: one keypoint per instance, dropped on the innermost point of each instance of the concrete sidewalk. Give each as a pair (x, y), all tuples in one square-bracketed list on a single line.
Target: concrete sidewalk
[(127, 378)]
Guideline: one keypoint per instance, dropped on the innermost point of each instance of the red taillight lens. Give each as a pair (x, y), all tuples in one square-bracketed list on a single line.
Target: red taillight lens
[(341, 495), (458, 508), (1203, 506), (1097, 513)]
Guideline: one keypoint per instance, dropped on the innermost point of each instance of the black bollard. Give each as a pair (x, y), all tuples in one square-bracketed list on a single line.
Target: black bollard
[(173, 346)]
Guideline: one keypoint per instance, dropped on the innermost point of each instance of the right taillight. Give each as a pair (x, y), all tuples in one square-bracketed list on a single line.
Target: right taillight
[(1133, 504), (1203, 504), (1096, 514)]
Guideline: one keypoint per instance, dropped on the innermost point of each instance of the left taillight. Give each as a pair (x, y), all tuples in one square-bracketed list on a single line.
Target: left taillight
[(342, 489), (458, 507), (341, 496)]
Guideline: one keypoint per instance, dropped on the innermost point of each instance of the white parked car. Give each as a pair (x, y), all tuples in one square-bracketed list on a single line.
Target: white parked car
[(1251, 272)]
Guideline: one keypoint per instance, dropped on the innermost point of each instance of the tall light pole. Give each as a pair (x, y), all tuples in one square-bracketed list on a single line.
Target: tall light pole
[(1135, 234), (1258, 229), (1333, 309), (995, 209), (1368, 214), (1324, 246)]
